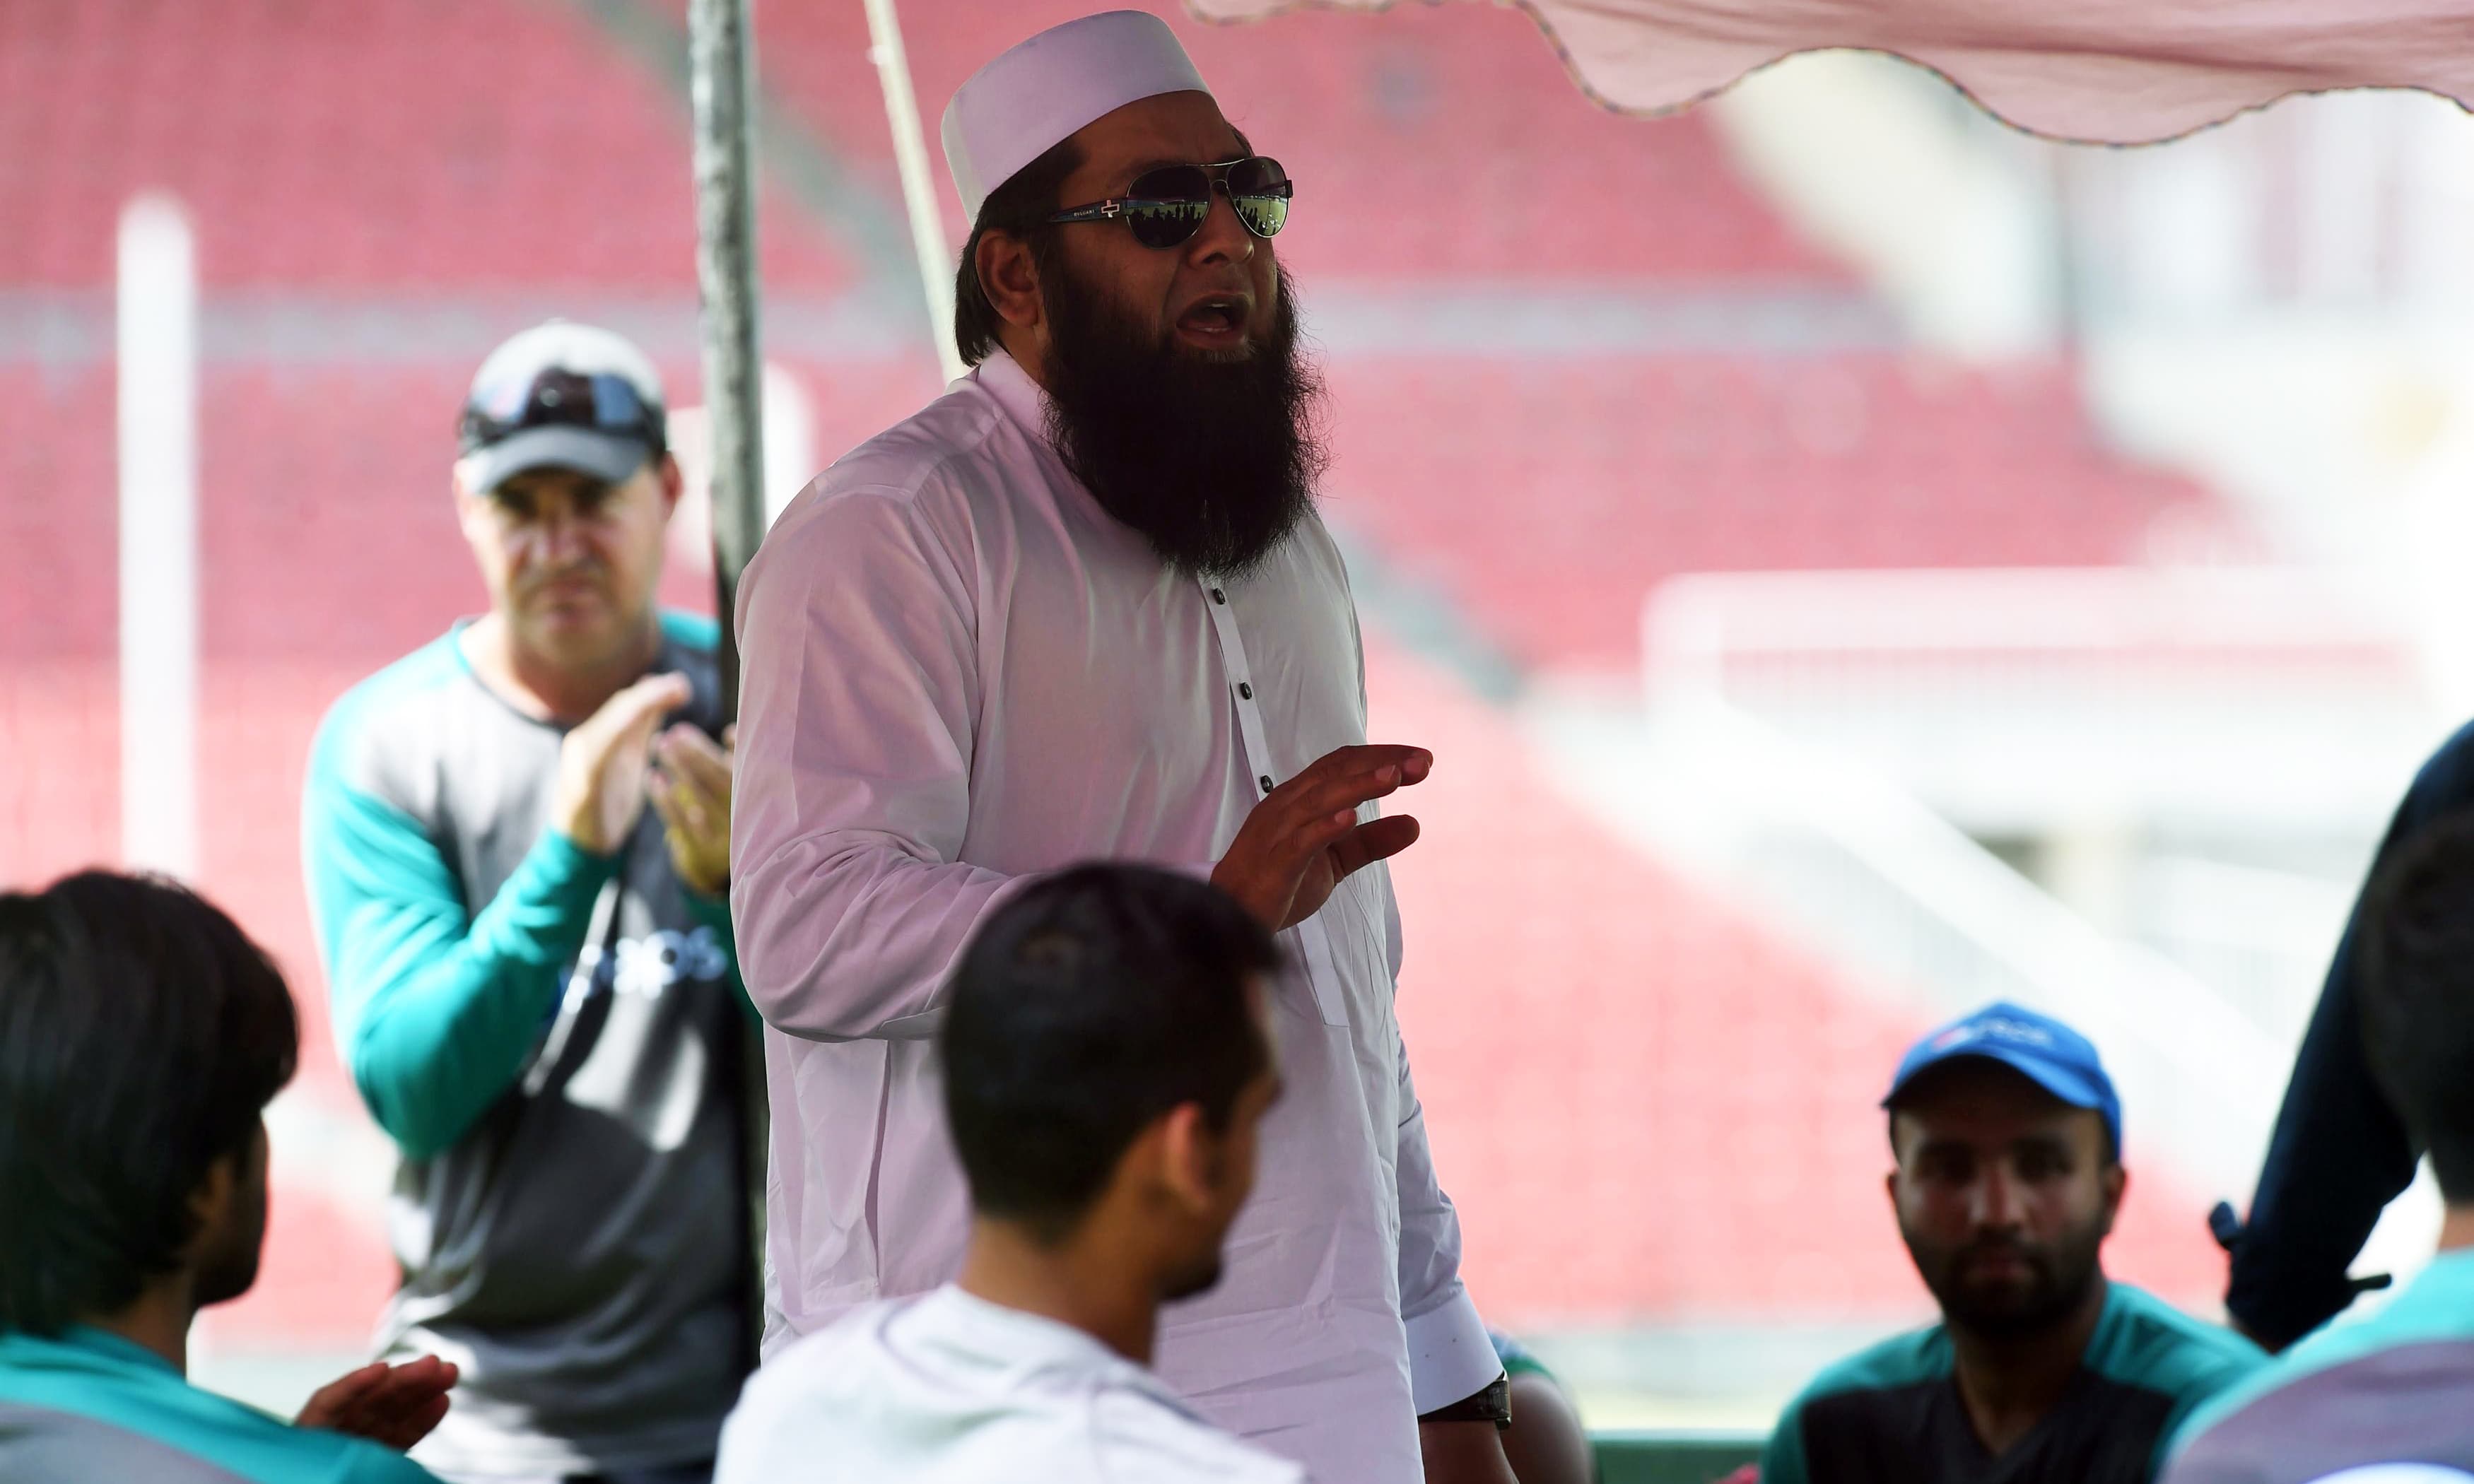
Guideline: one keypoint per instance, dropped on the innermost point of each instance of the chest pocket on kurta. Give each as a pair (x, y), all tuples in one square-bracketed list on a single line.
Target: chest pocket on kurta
[(1353, 955)]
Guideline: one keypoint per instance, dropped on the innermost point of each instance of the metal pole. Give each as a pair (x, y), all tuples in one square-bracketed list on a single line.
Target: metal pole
[(721, 70), (918, 181), (158, 539)]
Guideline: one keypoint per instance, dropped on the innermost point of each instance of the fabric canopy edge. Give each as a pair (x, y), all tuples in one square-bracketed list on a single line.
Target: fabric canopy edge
[(2065, 90)]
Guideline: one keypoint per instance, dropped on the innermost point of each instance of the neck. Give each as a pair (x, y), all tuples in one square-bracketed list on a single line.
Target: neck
[(1101, 1286), (2009, 1382), (158, 1321), (2457, 1227), (557, 690), (1023, 347)]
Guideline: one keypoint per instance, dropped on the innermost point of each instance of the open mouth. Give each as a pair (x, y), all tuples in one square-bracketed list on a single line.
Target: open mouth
[(1217, 320)]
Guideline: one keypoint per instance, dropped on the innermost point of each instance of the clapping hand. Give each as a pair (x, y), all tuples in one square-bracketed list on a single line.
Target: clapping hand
[(396, 1405), (690, 791), (603, 762)]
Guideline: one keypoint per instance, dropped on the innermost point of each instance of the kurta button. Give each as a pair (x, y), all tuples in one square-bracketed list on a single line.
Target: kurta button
[(1244, 692), (1217, 596), (1266, 782)]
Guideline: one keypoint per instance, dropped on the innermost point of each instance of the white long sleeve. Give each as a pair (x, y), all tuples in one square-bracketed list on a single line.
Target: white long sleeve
[(1450, 1356), (858, 694)]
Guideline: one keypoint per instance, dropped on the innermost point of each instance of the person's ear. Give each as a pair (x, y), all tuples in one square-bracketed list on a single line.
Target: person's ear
[(465, 499), (674, 485), (1190, 1157), (212, 1204), (1009, 277), (471, 508), (2115, 1180)]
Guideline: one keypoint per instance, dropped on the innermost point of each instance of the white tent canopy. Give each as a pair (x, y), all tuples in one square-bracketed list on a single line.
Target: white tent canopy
[(2115, 71)]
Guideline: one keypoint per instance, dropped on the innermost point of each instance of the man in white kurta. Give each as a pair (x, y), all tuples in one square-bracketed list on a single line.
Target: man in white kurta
[(961, 671)]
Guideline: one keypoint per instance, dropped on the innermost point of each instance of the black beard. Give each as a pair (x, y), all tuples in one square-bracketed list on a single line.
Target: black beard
[(1213, 460), (2062, 1276)]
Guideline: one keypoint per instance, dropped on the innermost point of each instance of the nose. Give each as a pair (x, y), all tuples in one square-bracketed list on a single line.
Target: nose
[(1223, 239), (558, 538), (1999, 1200)]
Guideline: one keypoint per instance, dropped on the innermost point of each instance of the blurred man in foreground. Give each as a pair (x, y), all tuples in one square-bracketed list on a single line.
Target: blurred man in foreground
[(1080, 606), (2008, 1140), (532, 973), (141, 1036), (2396, 1388), (2340, 1153), (1107, 1056)]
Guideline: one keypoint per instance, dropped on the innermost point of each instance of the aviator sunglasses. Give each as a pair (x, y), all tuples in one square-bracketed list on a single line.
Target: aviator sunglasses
[(1167, 206), (601, 401)]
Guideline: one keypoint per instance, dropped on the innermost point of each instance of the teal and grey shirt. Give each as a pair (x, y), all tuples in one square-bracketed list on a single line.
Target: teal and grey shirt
[(2391, 1389), (85, 1406), (554, 1040), (1892, 1414)]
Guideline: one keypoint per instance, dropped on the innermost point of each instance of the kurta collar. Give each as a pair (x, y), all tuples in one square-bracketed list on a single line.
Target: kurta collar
[(1015, 1336), (1003, 377)]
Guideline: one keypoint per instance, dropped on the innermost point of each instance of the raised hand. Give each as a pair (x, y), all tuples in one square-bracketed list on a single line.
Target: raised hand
[(690, 791), (602, 763), (1303, 838), (396, 1405)]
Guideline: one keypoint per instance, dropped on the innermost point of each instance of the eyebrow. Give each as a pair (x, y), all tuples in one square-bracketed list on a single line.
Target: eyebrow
[(581, 489), (2042, 1143)]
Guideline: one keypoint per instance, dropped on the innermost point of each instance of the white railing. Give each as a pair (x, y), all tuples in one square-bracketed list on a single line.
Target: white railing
[(1862, 871), (1923, 627), (1838, 853), (2065, 704)]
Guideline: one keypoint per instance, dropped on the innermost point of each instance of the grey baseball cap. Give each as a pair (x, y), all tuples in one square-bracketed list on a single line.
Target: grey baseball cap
[(562, 395)]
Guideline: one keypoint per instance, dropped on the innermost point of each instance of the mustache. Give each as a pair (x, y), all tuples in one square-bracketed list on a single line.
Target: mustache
[(2011, 1248), (582, 570)]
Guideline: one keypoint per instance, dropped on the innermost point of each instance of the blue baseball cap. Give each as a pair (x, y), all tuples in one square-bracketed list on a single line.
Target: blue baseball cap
[(2039, 1047)]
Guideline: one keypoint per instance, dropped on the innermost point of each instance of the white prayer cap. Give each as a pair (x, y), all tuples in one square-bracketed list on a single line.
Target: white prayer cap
[(1036, 96)]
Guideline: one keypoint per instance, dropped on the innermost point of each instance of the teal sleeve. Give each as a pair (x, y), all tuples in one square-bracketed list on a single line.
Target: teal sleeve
[(379, 1464), (1782, 1460), (434, 1012)]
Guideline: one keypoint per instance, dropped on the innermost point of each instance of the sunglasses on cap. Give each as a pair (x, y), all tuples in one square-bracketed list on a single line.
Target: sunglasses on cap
[(1165, 208), (601, 401)]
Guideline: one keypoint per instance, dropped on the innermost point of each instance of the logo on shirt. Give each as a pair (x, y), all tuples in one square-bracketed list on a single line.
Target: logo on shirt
[(648, 965)]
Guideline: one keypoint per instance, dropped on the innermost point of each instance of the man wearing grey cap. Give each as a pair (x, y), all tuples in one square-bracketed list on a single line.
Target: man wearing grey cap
[(533, 978), (1082, 606)]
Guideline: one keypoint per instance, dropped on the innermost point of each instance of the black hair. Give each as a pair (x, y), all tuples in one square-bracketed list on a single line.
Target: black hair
[(142, 1035), (1020, 207), (2414, 996), (1087, 1007)]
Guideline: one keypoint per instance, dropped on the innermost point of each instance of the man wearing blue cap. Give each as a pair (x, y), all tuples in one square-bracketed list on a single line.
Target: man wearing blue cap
[(2007, 1136)]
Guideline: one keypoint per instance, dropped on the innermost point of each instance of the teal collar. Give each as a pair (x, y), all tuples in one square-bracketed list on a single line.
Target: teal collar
[(89, 1341), (2449, 1279)]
